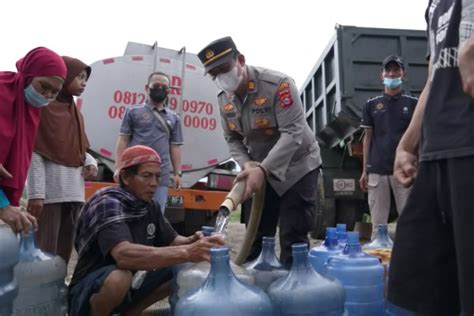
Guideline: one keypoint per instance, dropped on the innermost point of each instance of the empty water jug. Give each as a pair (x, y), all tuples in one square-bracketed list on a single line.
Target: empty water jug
[(40, 281), (304, 291), (362, 278), (318, 256), (9, 253), (341, 234), (382, 240), (223, 294), (173, 298), (266, 268), (381, 246)]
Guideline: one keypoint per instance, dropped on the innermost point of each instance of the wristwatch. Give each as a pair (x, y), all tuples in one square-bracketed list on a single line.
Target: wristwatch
[(178, 173)]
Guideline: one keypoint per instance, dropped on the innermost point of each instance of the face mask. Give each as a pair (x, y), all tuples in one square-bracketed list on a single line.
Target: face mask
[(35, 98), (392, 83), (229, 81), (158, 94)]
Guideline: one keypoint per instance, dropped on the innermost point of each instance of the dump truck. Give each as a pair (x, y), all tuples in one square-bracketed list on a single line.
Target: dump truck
[(119, 82), (345, 76)]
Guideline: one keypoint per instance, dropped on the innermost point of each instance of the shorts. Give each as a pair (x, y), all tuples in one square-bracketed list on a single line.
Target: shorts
[(431, 270), (81, 292)]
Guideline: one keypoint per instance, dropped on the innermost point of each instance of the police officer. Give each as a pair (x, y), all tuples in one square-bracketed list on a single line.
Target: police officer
[(266, 131), (385, 118)]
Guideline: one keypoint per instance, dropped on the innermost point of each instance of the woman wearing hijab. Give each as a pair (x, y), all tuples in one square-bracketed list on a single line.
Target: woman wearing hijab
[(59, 165), (40, 76)]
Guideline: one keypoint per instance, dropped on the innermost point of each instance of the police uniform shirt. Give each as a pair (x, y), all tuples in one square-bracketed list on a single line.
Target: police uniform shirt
[(144, 128), (269, 126), (388, 117)]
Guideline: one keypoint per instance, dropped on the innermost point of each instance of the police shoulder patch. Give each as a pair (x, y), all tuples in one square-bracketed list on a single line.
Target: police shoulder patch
[(284, 95)]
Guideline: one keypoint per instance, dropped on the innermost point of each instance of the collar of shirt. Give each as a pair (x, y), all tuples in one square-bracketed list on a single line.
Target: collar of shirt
[(155, 108), (393, 97)]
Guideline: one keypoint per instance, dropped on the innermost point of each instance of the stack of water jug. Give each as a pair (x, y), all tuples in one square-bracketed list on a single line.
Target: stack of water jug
[(31, 281), (336, 278)]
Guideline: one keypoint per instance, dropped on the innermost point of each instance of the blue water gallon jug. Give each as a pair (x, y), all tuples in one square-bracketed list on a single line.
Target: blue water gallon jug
[(318, 256), (192, 277), (341, 234), (362, 278), (381, 241), (173, 298), (266, 268), (40, 281), (304, 291), (9, 253), (223, 294)]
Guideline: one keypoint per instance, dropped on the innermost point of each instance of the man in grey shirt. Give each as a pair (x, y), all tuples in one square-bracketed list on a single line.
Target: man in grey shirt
[(266, 130), (153, 124)]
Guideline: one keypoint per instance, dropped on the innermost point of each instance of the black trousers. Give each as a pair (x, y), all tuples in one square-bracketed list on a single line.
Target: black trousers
[(432, 266), (294, 212)]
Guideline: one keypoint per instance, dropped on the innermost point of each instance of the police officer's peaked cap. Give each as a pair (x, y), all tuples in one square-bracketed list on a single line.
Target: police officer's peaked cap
[(217, 53), (393, 59)]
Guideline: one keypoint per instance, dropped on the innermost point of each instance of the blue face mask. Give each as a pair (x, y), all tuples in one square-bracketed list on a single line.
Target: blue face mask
[(35, 98), (392, 83)]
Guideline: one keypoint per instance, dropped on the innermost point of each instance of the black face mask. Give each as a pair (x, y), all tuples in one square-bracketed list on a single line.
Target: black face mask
[(158, 94)]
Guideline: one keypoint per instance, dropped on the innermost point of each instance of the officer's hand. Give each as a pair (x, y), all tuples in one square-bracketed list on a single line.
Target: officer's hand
[(466, 66), (199, 250), (90, 172), (19, 221), (405, 167), (255, 178), (177, 182), (4, 174), (35, 207), (363, 181)]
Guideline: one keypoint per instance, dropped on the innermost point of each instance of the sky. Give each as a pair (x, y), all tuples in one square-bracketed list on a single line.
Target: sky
[(285, 35)]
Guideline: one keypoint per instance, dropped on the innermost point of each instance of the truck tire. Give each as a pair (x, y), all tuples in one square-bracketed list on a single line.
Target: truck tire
[(325, 215)]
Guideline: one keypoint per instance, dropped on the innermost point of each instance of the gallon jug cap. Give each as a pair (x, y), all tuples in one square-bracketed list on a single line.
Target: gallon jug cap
[(341, 227), (382, 226), (331, 232), (219, 252), (353, 238), (268, 239), (207, 230), (299, 247)]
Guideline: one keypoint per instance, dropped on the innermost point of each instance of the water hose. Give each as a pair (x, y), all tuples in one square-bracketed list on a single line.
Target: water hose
[(252, 227), (230, 204)]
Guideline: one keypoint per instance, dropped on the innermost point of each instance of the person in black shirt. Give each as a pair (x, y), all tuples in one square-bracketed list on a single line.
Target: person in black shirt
[(122, 230), (431, 270), (385, 118)]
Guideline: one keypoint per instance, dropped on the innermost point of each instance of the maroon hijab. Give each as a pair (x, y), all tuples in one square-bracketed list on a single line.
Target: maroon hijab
[(18, 120)]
